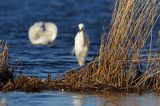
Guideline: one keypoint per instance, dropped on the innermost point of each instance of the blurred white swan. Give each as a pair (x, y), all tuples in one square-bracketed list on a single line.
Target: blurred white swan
[(81, 45), (42, 33)]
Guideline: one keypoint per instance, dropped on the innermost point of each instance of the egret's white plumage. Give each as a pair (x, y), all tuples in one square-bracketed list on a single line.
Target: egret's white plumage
[(42, 33), (81, 45)]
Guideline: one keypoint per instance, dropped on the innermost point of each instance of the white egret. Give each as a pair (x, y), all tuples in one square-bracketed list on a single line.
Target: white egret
[(81, 45), (42, 33)]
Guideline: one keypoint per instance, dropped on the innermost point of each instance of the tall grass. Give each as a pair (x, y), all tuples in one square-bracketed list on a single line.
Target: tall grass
[(3, 57), (121, 54), (6, 72)]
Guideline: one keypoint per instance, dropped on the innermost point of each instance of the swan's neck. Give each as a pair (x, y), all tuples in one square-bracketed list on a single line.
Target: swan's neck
[(43, 27)]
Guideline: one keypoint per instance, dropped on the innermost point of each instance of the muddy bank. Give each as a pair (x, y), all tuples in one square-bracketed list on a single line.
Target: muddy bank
[(76, 81)]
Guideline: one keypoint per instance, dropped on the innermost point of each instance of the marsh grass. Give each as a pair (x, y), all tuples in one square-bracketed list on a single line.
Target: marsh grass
[(6, 72), (131, 27)]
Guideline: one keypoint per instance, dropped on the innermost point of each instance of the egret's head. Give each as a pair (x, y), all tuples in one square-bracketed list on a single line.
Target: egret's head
[(81, 26)]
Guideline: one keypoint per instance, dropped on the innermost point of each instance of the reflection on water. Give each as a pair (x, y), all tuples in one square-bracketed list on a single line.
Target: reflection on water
[(78, 100), (117, 100), (3, 101), (149, 99), (74, 99)]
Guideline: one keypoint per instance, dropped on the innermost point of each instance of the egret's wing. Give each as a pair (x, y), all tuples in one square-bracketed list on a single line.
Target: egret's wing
[(87, 41)]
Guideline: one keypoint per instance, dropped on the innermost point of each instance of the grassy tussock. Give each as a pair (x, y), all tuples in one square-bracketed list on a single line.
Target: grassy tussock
[(34, 84)]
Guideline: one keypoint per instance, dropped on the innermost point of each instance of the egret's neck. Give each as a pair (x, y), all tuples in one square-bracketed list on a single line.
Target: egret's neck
[(81, 32)]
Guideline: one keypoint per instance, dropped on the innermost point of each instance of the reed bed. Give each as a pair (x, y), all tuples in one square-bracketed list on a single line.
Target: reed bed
[(120, 60)]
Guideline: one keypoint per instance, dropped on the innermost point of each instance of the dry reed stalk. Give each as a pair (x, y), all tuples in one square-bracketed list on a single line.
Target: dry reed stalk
[(131, 26), (6, 72)]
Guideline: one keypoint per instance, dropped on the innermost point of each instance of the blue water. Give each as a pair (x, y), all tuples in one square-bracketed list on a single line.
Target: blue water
[(16, 16), (73, 99)]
